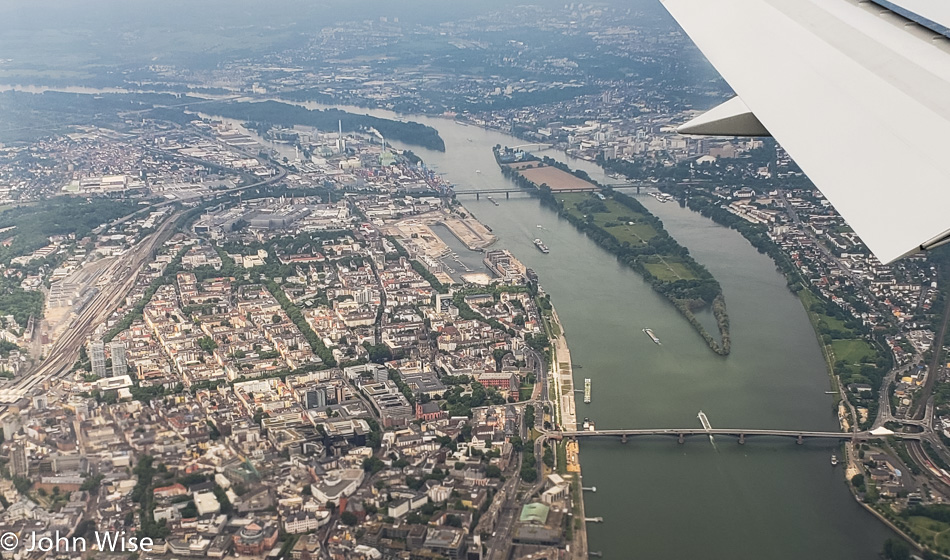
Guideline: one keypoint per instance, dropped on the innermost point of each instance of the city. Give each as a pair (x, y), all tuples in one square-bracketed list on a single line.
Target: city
[(299, 302)]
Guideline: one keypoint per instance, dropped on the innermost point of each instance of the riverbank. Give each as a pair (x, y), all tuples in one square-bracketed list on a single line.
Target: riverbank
[(848, 417), (819, 322), (562, 376), (626, 229), (772, 379), (561, 380)]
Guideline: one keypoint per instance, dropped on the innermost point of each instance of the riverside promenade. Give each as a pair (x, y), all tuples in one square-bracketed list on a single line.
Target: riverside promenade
[(562, 375), (563, 378)]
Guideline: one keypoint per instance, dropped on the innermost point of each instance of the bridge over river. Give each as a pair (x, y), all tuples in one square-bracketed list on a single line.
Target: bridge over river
[(477, 193), (741, 434)]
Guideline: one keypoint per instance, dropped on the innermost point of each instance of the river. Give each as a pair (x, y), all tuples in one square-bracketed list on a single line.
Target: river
[(769, 498)]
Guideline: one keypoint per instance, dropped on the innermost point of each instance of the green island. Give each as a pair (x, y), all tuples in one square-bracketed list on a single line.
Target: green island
[(854, 353), (625, 228), (56, 111), (272, 113)]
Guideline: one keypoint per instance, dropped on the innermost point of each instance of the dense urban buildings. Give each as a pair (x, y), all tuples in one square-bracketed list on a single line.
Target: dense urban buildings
[(239, 325)]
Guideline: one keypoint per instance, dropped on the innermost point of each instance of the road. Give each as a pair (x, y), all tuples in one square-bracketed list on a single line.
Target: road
[(934, 370), (504, 513), (921, 414), (505, 509), (821, 246), (884, 414), (535, 361)]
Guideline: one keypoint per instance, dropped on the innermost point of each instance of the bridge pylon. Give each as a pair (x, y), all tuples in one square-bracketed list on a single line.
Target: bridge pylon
[(800, 440), (623, 438), (741, 439), (681, 439)]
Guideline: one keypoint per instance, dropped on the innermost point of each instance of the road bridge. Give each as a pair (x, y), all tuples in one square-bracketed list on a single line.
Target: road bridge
[(508, 192), (740, 433)]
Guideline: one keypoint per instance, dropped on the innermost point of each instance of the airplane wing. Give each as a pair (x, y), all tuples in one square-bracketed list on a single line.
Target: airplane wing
[(857, 92)]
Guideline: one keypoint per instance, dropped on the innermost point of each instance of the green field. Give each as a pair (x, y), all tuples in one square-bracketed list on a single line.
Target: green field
[(629, 226), (636, 234), (853, 351), (834, 323), (670, 270), (524, 392), (930, 531), (821, 320)]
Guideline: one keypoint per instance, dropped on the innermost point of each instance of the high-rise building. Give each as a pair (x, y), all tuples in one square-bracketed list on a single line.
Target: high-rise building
[(11, 425), (97, 355), (40, 402), (440, 302), (19, 462), (120, 366), (317, 399)]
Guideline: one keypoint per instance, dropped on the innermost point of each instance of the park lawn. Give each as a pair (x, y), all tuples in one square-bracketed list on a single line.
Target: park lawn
[(524, 392), (638, 233), (929, 530), (562, 457), (670, 271), (834, 323), (807, 298), (852, 351), (633, 230), (943, 538), (822, 320)]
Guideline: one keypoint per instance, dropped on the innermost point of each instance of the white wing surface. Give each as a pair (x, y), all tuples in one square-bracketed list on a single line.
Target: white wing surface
[(857, 94)]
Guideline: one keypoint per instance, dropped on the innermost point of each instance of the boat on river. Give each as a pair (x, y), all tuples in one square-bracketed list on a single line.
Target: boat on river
[(652, 336), (541, 246), (834, 460)]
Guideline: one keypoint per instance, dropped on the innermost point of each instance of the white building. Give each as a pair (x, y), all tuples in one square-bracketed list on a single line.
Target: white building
[(206, 503)]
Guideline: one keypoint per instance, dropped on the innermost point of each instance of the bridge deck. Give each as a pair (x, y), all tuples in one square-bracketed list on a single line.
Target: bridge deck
[(729, 432)]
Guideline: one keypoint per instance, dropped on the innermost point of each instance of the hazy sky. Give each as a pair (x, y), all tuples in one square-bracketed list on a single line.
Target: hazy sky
[(54, 40)]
